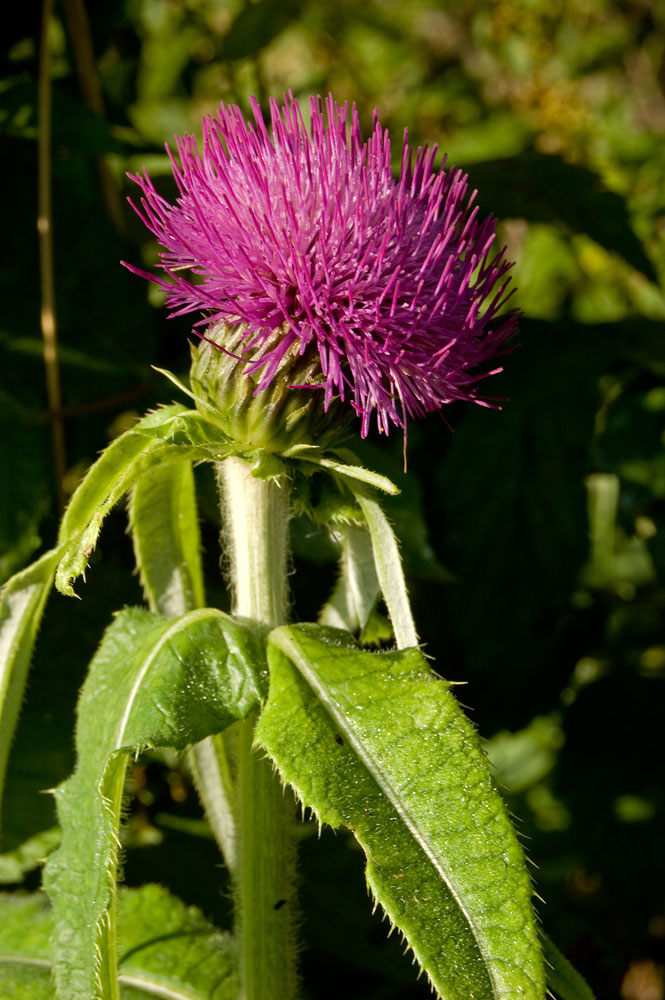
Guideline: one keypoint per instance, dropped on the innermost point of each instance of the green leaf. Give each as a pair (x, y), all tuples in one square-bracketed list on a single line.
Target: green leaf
[(167, 542), (153, 682), (256, 25), (172, 433), (357, 589), (389, 572), (562, 977), (377, 743), (167, 949), (544, 188), (351, 470), (14, 865), (22, 602)]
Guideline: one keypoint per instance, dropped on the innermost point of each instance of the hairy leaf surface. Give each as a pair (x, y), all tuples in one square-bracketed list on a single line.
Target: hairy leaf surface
[(377, 743), (153, 682), (172, 433), (167, 949)]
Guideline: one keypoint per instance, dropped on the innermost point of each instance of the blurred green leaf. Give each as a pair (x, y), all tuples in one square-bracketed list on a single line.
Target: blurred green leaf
[(544, 188), (257, 24), (14, 865), (562, 978), (166, 949)]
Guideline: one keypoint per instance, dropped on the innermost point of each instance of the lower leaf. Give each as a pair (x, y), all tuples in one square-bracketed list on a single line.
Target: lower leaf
[(153, 682), (167, 949), (377, 743), (22, 602)]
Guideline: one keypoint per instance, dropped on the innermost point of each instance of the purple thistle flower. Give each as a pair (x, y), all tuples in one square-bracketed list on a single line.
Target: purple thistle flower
[(307, 232)]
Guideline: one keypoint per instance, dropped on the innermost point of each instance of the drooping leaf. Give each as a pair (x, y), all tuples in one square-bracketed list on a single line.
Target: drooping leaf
[(167, 544), (357, 589), (351, 470), (167, 949), (22, 602), (376, 742), (172, 433), (389, 571), (153, 682)]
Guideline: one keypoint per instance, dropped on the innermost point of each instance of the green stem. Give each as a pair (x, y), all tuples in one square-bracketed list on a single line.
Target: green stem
[(255, 513)]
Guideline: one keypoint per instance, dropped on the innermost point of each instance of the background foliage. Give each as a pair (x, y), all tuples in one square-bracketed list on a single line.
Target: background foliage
[(539, 579)]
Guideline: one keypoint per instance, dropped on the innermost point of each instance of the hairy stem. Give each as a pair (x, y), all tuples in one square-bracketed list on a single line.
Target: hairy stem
[(255, 513)]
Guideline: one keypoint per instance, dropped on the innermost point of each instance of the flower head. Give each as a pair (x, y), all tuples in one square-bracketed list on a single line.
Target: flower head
[(391, 283)]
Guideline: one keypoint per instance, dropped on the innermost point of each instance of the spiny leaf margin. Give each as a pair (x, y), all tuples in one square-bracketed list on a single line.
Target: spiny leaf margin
[(377, 743), (153, 682)]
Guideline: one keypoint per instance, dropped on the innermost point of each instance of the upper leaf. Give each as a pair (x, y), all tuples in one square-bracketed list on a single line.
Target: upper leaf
[(376, 742), (153, 682), (170, 434), (357, 589), (167, 949)]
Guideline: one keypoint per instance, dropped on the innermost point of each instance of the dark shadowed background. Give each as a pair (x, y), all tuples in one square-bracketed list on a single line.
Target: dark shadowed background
[(534, 535)]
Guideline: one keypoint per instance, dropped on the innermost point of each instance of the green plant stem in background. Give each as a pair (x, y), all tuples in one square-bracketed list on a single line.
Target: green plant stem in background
[(255, 515), (46, 266)]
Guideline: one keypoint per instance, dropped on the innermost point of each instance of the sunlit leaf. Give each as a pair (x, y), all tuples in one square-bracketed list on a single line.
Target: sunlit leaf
[(153, 682), (170, 434), (376, 742), (357, 588)]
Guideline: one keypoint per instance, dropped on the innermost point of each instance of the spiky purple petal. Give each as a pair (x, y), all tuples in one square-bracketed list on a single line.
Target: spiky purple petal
[(392, 281)]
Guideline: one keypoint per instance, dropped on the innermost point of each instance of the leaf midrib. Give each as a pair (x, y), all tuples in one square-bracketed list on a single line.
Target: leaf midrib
[(177, 626), (282, 640)]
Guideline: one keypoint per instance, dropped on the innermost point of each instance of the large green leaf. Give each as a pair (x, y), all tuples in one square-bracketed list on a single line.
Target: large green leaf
[(376, 742), (167, 949), (153, 682), (170, 434), (22, 602)]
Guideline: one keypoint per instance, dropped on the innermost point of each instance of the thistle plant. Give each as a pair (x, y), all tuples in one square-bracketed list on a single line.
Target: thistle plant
[(328, 289)]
